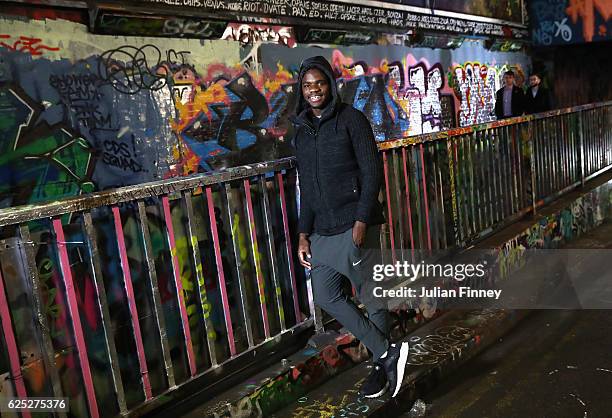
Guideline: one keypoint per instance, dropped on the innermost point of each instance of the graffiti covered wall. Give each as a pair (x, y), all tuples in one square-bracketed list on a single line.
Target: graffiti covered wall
[(408, 91), (82, 112), (111, 111)]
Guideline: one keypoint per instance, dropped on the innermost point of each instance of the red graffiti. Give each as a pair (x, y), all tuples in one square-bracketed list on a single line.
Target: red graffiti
[(331, 356), (585, 9), (26, 44)]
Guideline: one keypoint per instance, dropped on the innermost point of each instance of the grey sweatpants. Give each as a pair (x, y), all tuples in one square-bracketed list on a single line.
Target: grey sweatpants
[(335, 257)]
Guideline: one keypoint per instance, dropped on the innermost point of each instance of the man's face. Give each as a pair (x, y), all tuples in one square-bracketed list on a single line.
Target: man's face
[(316, 89), (534, 80), (508, 80)]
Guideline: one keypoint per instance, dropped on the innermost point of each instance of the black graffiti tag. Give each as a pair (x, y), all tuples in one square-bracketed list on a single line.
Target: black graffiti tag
[(118, 154), (130, 69), (81, 94)]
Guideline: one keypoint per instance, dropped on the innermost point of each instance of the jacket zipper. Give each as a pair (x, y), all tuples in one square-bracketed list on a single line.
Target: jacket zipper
[(316, 135)]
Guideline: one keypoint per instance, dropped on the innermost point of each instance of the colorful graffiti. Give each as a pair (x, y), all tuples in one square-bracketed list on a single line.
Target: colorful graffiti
[(585, 10), (228, 111), (475, 85), (46, 161), (560, 21), (163, 108), (266, 397), (105, 113), (399, 101), (582, 215)]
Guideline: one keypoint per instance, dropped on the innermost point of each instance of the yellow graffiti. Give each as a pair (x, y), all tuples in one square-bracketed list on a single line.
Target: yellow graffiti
[(324, 409), (510, 258), (199, 103), (242, 245), (274, 83)]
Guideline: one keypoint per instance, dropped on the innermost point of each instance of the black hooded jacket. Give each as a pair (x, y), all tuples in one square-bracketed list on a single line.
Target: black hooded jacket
[(339, 166)]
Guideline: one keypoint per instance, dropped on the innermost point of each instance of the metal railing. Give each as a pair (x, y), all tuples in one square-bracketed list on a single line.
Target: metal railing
[(144, 288), (119, 298), (449, 189)]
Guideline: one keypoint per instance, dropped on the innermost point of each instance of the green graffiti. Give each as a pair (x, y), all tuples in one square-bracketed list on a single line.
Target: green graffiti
[(46, 271), (40, 162)]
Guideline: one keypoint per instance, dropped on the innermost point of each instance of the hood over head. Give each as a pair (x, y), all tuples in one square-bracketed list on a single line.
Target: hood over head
[(321, 64)]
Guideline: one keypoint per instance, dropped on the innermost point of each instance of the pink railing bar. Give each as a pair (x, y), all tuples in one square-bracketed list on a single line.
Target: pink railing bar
[(11, 345), (458, 192), (283, 202), (129, 292), (176, 268), (219, 261), (425, 199), (388, 193), (73, 307), (407, 183), (259, 274)]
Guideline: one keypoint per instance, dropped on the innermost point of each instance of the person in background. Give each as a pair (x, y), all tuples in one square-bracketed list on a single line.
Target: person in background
[(538, 97), (340, 174), (509, 100)]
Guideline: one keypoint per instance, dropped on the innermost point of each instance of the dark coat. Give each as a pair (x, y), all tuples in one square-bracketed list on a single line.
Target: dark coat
[(339, 166), (518, 102), (540, 103)]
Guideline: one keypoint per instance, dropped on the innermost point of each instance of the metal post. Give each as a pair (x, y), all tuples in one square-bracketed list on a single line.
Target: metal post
[(234, 224), (268, 225), (11, 345), (96, 271), (581, 145), (288, 247), (129, 293), (192, 224), (75, 315), (389, 209), (451, 175), (409, 211), (531, 141), (40, 321), (157, 304), (219, 262), (256, 257)]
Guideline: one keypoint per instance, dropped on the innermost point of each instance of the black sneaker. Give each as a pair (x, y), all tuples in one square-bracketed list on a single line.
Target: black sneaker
[(376, 384), (394, 363)]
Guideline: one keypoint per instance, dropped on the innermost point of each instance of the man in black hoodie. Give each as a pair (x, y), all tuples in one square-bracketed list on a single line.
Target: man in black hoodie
[(340, 173)]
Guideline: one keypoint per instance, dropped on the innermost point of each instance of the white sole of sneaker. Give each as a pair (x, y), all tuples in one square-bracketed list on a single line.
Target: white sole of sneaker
[(401, 367), (377, 394)]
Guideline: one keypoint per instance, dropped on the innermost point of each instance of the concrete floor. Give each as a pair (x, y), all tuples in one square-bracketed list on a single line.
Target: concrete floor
[(555, 363)]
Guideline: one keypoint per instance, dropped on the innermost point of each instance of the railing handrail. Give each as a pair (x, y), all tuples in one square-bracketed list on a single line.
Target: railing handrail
[(25, 213), (449, 133)]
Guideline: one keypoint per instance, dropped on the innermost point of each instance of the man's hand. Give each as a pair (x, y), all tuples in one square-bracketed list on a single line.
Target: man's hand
[(359, 233), (304, 251)]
